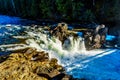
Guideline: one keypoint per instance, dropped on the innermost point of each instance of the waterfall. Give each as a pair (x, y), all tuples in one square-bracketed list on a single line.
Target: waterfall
[(42, 41), (71, 54), (74, 45)]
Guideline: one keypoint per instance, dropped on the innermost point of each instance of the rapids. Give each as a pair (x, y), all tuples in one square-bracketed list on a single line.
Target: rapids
[(72, 54), (43, 41)]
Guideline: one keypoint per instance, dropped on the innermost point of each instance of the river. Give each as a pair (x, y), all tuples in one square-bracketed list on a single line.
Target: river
[(98, 64)]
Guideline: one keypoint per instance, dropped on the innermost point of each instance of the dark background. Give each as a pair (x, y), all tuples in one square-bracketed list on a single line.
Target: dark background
[(80, 11)]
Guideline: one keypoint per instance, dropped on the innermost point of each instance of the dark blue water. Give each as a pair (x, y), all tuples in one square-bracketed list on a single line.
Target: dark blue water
[(17, 20), (5, 32), (9, 20)]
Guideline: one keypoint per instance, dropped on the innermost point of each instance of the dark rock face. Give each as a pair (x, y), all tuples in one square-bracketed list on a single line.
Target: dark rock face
[(88, 35), (116, 32), (101, 30), (96, 38), (3, 58)]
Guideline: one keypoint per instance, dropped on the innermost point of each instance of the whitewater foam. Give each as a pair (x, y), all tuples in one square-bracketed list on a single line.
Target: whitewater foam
[(92, 65)]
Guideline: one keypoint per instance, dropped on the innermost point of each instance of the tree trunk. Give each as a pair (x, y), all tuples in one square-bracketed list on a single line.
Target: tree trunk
[(13, 5)]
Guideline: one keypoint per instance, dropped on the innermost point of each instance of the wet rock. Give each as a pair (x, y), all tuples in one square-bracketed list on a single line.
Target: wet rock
[(88, 37), (54, 64), (3, 58), (40, 56), (29, 64), (96, 41), (100, 36), (30, 51), (60, 31), (96, 38)]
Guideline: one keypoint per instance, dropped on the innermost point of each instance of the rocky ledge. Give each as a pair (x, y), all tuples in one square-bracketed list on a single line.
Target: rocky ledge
[(29, 64)]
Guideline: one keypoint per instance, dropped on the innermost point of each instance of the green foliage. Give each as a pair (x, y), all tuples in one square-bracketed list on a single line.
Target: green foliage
[(82, 10), (107, 10), (77, 9), (47, 8), (33, 11), (88, 16)]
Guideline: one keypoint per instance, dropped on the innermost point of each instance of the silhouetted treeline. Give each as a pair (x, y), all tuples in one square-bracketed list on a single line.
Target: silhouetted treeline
[(81, 10)]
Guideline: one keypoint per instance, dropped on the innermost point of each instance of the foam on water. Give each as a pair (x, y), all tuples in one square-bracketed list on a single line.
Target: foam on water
[(72, 54), (52, 44)]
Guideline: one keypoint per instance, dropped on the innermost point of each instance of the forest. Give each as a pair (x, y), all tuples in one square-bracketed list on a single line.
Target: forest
[(99, 11)]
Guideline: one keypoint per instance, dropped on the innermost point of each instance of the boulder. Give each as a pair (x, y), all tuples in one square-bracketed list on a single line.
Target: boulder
[(88, 37), (60, 31), (96, 41), (100, 34), (96, 38)]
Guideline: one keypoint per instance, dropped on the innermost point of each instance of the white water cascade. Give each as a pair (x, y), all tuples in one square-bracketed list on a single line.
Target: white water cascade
[(72, 54), (44, 42)]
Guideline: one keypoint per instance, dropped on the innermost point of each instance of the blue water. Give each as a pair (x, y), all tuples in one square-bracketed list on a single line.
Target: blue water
[(6, 32), (9, 20), (110, 37), (16, 20), (80, 34)]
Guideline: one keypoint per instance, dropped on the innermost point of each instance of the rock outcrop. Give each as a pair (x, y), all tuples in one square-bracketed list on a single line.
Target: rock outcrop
[(29, 64), (88, 37), (60, 31), (96, 38)]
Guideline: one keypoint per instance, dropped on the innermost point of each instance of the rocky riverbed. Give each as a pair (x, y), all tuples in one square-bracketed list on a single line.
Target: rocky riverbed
[(25, 58), (38, 50), (29, 64)]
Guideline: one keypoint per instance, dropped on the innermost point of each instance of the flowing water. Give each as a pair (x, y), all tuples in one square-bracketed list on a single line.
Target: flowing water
[(100, 64), (42, 41)]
